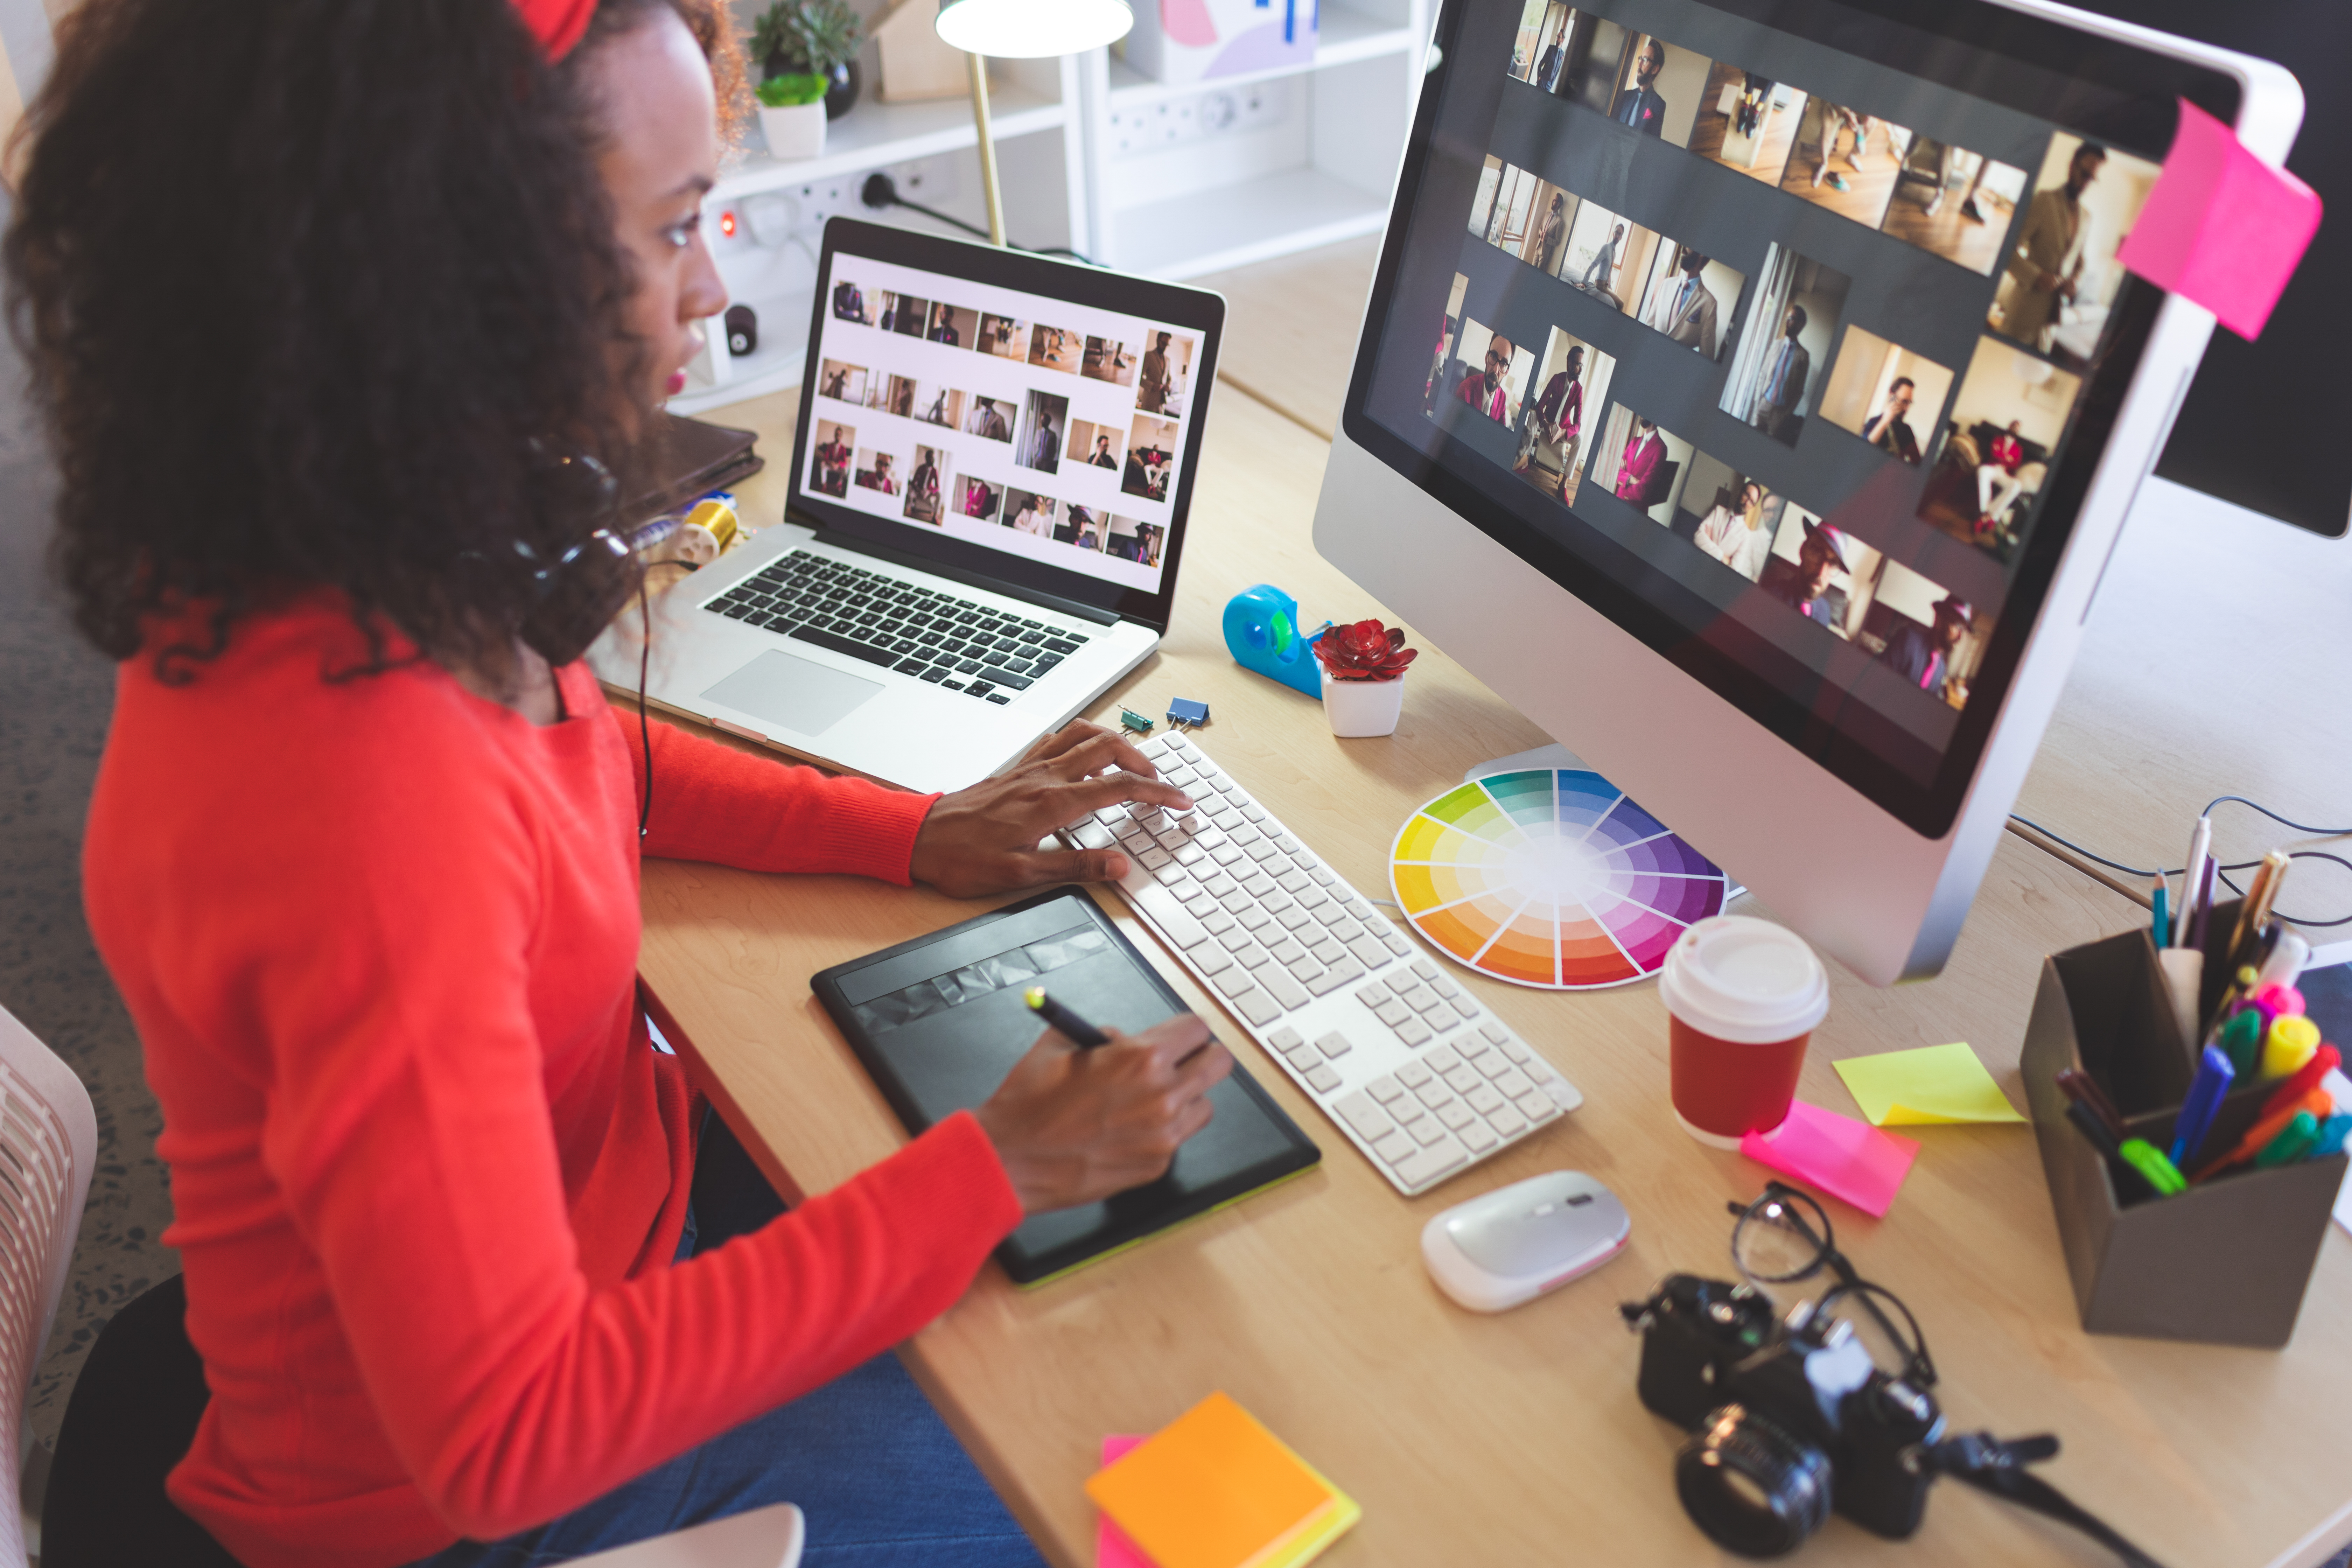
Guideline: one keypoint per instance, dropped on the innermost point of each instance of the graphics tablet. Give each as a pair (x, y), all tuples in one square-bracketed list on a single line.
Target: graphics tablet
[(939, 1021)]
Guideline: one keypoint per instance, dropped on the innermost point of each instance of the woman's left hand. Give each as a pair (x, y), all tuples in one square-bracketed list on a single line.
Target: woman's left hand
[(984, 839)]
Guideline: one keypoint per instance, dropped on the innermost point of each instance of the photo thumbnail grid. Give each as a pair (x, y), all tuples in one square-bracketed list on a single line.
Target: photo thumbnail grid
[(1065, 451), (1985, 461)]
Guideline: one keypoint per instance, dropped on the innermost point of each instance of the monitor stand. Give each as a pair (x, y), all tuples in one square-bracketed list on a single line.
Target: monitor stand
[(1559, 757)]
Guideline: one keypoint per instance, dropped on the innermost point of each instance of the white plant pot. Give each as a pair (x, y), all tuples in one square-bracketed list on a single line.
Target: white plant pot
[(794, 133), (1359, 708)]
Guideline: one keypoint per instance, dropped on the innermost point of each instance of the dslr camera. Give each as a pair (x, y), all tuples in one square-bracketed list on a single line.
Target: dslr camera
[(1789, 1417)]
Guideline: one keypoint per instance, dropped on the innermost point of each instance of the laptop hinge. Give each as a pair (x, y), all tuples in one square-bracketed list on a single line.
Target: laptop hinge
[(840, 541)]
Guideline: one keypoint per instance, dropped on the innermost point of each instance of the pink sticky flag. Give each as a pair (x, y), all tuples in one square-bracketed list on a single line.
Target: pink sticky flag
[(1112, 1547), (1846, 1158), (1188, 22), (2222, 227)]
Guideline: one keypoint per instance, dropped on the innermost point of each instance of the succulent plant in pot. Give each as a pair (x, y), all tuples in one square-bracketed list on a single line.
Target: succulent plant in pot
[(812, 37), (1363, 677)]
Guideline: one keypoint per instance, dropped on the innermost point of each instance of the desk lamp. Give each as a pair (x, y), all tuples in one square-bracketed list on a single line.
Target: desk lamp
[(1021, 29)]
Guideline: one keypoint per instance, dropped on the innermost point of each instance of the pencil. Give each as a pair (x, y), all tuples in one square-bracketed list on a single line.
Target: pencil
[(2161, 906), (1077, 1030)]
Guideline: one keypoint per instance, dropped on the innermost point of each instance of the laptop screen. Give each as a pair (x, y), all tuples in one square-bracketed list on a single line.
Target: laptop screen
[(1030, 425), (1786, 333)]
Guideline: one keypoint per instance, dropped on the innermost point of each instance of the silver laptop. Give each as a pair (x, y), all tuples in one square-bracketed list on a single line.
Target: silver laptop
[(989, 487)]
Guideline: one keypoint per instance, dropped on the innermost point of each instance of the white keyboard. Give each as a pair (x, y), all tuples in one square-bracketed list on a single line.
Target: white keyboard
[(1403, 1060)]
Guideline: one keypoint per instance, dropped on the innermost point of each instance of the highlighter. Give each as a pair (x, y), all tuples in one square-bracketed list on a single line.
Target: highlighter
[(2149, 1160), (2294, 1141), (2332, 1133), (2241, 1041), (2306, 1078), (2292, 1042), (2318, 1102)]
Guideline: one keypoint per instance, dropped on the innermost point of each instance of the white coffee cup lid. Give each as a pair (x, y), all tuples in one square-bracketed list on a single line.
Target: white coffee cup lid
[(1745, 980)]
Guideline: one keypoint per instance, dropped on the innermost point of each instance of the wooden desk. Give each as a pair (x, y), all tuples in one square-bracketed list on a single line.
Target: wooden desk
[(1518, 1437)]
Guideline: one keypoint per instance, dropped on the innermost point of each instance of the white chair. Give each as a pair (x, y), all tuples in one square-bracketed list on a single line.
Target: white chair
[(49, 1140)]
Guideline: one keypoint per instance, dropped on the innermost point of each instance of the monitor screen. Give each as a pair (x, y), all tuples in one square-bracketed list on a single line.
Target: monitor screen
[(1027, 425), (1752, 326)]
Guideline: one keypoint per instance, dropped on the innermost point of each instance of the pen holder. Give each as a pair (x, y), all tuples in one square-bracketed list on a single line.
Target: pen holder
[(2225, 1262)]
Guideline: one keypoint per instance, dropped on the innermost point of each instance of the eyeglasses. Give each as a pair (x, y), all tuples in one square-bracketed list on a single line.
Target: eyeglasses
[(1785, 1236), (1496, 356)]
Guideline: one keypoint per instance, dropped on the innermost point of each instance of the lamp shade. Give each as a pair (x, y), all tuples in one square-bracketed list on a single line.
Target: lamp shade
[(1031, 29)]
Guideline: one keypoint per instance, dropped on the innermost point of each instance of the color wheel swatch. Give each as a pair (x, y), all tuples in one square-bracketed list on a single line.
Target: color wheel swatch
[(1550, 878)]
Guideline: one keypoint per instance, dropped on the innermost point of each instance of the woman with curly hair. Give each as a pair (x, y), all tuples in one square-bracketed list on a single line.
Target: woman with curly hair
[(347, 318)]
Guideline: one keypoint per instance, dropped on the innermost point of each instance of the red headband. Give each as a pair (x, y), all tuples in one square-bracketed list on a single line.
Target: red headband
[(556, 24)]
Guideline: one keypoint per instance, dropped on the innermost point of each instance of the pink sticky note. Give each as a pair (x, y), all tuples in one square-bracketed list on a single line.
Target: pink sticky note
[(1112, 1547), (2221, 227), (1850, 1159)]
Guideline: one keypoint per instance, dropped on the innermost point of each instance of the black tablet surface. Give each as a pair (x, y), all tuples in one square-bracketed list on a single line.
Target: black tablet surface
[(941, 1020)]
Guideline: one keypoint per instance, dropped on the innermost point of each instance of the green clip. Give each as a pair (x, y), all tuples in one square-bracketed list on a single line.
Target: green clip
[(1135, 722)]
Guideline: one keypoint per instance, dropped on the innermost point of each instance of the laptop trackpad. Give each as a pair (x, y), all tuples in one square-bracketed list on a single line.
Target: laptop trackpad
[(804, 697)]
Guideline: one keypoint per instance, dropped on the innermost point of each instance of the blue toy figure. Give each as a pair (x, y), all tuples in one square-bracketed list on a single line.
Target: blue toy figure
[(1261, 632)]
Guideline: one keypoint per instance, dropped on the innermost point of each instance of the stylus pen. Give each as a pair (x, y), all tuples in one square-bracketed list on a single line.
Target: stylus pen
[(1077, 1030), (2193, 879)]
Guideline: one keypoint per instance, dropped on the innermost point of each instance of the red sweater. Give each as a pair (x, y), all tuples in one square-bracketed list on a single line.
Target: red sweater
[(378, 937)]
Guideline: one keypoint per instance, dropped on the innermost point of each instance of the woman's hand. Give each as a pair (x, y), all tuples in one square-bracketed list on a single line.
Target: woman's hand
[(984, 839), (1075, 1126)]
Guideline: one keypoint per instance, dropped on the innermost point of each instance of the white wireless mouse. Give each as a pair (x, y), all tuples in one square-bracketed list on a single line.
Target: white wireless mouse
[(1514, 1243)]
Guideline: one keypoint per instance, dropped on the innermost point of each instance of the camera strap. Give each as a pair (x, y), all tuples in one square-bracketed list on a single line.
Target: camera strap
[(1992, 1465)]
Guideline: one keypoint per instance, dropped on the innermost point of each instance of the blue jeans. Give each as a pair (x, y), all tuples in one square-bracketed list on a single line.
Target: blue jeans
[(881, 1479)]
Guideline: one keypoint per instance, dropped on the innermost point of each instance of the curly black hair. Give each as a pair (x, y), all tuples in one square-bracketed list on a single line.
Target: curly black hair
[(323, 294)]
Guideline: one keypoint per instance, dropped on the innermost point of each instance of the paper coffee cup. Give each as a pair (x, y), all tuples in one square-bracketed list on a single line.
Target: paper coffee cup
[(1743, 997)]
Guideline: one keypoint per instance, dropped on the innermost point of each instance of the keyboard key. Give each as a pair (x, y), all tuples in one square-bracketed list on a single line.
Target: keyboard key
[(1330, 914), (1327, 951), (1334, 1043), (1432, 1162), (1434, 1094), (1463, 1006), (1256, 1007), (1506, 1121), (1234, 938), (1212, 959), (1461, 1080), (1360, 1112), (1252, 956), (1513, 1084), (1441, 1060), (1426, 968), (1412, 1075), (1494, 1031), (1537, 1107), (1155, 857), (1420, 998), (1302, 1057), (1306, 971), (1323, 1080), (1395, 942), (1284, 990), (1392, 1012), (1286, 952), (1401, 983), (1286, 1038), (1369, 953), (1455, 1115), (1478, 1136), (1494, 1063), (1372, 995), (1384, 1088), (1428, 1130), (1294, 917), (1408, 1111), (1234, 982), (1395, 1148), (1516, 1051), (1413, 1032), (1340, 973), (843, 645), (1484, 1100)]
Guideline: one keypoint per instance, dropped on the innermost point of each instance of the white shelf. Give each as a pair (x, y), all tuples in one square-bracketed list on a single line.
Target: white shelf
[(1232, 225), (875, 133), (1345, 38)]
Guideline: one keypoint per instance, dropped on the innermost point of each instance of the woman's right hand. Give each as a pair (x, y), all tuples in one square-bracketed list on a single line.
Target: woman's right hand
[(1075, 1126)]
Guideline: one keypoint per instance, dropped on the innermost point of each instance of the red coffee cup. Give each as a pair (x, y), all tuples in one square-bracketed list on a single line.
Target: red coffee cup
[(1743, 997)]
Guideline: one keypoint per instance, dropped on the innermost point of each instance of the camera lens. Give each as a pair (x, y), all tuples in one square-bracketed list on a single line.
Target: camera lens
[(1750, 1486)]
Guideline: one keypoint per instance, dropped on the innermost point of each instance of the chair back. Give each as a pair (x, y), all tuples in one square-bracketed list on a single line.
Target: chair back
[(49, 1140)]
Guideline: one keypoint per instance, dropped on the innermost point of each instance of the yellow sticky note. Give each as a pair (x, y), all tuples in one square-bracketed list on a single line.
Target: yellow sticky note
[(1936, 1085), (1216, 1490)]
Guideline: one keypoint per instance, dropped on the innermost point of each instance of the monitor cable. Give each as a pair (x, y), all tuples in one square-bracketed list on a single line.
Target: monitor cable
[(2141, 895), (881, 191)]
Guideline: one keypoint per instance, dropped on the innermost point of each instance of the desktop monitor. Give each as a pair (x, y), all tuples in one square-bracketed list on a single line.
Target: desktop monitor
[(1749, 393)]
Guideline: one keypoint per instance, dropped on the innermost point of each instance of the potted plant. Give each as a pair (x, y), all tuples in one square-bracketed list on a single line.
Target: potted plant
[(1363, 677), (811, 37), (792, 113)]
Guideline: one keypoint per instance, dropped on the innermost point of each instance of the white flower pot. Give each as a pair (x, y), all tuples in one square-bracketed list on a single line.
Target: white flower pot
[(794, 133), (1363, 706)]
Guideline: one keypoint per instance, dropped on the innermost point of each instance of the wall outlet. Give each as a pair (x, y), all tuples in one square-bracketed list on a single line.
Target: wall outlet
[(1197, 117)]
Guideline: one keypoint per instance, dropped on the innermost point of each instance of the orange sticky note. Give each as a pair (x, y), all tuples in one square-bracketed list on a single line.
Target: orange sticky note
[(1213, 1489)]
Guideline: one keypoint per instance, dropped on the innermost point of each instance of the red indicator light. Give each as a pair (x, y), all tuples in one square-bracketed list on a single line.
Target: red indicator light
[(727, 225)]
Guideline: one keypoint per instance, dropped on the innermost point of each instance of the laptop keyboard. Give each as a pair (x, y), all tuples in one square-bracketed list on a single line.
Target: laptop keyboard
[(958, 644)]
